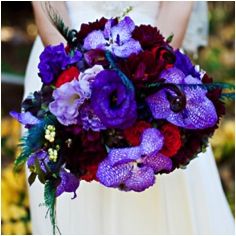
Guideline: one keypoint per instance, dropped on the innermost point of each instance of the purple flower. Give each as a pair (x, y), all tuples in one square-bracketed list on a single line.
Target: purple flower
[(135, 168), (53, 60), (25, 118), (184, 64), (69, 183), (112, 102), (198, 111), (116, 39), (90, 120), (67, 100), (41, 156)]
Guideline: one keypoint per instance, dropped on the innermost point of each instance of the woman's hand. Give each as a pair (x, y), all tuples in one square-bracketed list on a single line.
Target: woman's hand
[(173, 18), (47, 32)]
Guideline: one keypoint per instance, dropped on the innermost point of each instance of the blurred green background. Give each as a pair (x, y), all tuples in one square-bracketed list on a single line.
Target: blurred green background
[(18, 32)]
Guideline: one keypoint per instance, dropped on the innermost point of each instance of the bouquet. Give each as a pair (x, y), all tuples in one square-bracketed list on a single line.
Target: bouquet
[(118, 105)]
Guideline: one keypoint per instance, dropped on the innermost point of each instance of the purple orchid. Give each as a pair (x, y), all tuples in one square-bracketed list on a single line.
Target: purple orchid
[(25, 118), (41, 156), (198, 111), (53, 60), (135, 168), (67, 100), (69, 183), (115, 38), (112, 102)]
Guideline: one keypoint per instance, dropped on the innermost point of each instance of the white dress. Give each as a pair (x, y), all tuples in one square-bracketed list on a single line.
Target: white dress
[(189, 201)]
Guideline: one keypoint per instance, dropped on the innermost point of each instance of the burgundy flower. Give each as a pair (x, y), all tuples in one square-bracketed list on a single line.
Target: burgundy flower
[(148, 36), (147, 65), (96, 57), (86, 150)]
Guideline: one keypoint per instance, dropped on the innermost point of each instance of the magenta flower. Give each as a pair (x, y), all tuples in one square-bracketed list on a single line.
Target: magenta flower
[(115, 38), (135, 168)]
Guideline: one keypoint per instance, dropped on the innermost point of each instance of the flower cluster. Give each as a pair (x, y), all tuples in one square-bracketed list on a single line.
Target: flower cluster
[(119, 106)]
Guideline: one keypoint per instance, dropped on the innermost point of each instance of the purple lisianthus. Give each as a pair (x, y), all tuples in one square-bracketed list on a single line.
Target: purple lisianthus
[(25, 118), (90, 120), (53, 60), (41, 156), (67, 100), (115, 38), (197, 113), (184, 64), (69, 183), (135, 168), (112, 102)]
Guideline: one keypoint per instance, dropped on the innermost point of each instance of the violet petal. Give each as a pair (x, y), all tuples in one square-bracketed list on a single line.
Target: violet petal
[(141, 179), (113, 176), (25, 118)]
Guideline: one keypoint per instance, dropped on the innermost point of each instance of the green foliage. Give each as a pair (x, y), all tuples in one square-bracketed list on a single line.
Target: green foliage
[(123, 77), (50, 202)]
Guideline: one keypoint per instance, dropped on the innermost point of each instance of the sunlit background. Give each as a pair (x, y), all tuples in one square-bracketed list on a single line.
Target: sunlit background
[(18, 31)]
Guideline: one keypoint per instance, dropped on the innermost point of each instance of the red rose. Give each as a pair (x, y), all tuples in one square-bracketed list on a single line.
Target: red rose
[(90, 174), (172, 140), (133, 134), (67, 76)]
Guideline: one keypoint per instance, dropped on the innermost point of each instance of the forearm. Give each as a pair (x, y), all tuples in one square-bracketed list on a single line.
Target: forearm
[(47, 32), (174, 18)]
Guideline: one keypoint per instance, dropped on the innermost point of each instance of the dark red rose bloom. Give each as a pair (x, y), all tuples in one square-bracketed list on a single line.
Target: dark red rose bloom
[(91, 172), (147, 65), (96, 57), (84, 154), (67, 76), (172, 140), (148, 36), (133, 134), (85, 29)]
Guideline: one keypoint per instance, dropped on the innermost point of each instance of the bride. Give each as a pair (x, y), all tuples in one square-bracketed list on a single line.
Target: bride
[(188, 201)]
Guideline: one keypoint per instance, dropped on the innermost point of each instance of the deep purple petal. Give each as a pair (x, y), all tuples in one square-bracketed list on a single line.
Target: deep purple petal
[(152, 140), (141, 179), (184, 63), (112, 101), (42, 157), (95, 40), (113, 176), (158, 162), (25, 118), (69, 183)]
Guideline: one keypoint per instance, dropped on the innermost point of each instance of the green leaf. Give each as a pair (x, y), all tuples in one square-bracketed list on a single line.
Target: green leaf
[(32, 178), (39, 172), (50, 202), (170, 38)]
